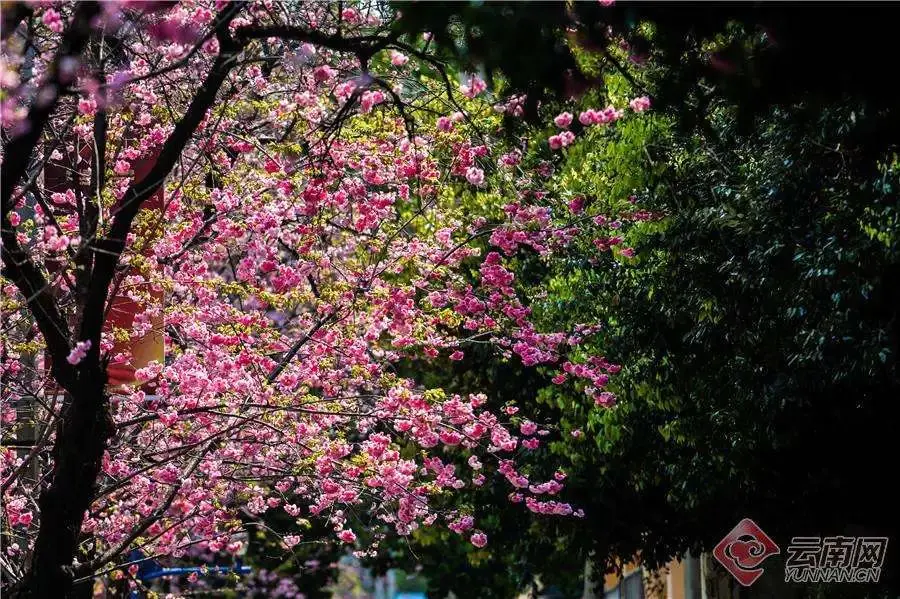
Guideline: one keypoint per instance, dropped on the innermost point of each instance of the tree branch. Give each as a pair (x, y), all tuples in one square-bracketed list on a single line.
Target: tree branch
[(296, 347), (367, 45)]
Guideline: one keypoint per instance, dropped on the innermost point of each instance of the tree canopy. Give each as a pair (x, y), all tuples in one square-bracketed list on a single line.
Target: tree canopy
[(493, 289), (295, 201)]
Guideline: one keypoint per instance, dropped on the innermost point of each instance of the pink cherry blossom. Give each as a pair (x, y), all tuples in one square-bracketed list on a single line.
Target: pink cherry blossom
[(475, 176), (371, 99), (444, 124), (528, 428), (78, 352), (347, 536), (531, 443), (398, 59), (563, 120), (324, 73), (605, 399), (474, 87), (51, 19), (87, 106), (462, 524), (640, 104)]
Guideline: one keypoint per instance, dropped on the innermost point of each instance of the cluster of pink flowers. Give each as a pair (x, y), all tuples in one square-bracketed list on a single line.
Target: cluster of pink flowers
[(513, 106), (640, 104), (54, 241), (566, 138), (475, 176), (462, 524), (555, 508), (398, 59), (474, 87), (596, 372), (78, 352), (599, 117), (563, 120), (52, 20), (16, 514), (371, 99)]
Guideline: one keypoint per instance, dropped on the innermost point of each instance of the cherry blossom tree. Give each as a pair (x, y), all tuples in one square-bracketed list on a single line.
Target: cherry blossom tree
[(293, 197)]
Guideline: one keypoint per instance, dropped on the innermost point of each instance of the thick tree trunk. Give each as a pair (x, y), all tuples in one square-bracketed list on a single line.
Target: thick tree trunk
[(81, 439)]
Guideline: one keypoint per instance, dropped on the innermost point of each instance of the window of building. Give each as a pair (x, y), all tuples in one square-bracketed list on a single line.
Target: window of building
[(630, 587)]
